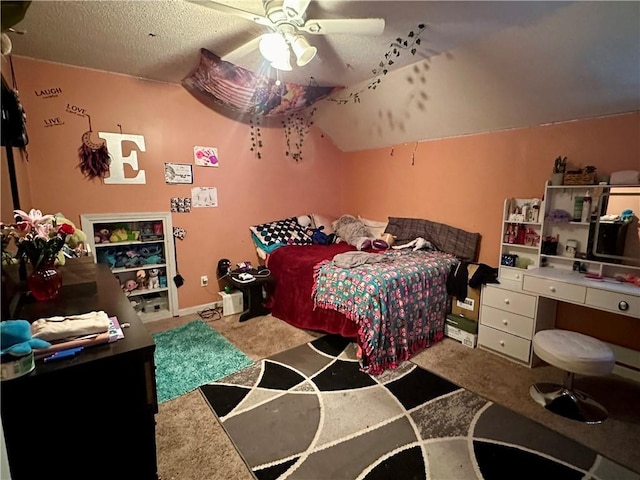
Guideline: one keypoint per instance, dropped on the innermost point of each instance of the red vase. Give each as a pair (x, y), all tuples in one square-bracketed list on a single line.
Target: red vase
[(45, 282)]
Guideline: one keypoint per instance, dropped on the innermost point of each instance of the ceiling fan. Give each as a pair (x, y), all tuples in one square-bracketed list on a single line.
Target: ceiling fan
[(286, 20)]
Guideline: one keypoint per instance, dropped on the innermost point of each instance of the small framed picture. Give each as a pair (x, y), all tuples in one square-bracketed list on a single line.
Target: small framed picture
[(178, 173), (571, 248)]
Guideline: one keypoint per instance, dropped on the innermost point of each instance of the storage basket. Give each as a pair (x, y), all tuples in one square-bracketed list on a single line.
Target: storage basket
[(580, 178)]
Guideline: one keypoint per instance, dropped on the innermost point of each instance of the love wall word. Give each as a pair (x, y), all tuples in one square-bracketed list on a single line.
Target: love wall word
[(76, 110), (48, 92)]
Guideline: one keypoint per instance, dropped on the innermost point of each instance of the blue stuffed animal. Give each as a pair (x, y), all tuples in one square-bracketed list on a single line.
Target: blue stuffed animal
[(107, 256), (152, 255), (16, 340), (318, 237)]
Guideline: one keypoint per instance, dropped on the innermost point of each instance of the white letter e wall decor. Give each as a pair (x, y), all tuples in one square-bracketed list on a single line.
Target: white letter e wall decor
[(116, 167)]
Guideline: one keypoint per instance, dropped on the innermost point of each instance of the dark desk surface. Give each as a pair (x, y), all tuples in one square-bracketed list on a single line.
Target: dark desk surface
[(59, 419), (77, 300)]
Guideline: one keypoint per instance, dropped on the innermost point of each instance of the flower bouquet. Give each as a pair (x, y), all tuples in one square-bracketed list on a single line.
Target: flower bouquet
[(39, 240)]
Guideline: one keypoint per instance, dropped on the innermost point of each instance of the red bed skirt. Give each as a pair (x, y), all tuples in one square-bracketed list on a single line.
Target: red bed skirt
[(290, 296)]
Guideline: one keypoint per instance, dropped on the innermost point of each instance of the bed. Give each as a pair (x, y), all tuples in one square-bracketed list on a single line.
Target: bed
[(393, 308)]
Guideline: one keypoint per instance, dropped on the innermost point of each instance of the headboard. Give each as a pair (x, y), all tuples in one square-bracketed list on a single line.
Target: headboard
[(455, 241)]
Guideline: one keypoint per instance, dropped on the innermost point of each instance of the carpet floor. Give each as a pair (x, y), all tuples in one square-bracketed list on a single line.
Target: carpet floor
[(192, 355), (310, 413)]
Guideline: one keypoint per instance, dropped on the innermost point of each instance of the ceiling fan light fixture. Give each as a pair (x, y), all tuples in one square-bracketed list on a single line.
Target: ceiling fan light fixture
[(282, 64), (273, 47), (303, 51)]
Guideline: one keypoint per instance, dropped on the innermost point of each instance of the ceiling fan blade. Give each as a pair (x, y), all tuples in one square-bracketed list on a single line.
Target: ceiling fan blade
[(221, 7), (295, 8), (352, 26), (238, 53)]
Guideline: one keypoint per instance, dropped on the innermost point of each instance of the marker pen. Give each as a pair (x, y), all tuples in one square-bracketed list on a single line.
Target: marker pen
[(59, 355)]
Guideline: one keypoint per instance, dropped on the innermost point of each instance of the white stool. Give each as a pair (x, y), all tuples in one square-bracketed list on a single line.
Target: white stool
[(574, 353)]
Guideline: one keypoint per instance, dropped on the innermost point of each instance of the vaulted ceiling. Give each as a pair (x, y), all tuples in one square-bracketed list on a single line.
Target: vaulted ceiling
[(480, 66)]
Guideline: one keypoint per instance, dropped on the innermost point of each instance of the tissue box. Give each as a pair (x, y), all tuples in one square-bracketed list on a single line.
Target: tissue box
[(625, 177)]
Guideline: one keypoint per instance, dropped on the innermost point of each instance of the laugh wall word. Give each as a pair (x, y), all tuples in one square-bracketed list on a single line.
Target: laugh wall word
[(116, 167), (76, 110), (53, 122), (49, 92)]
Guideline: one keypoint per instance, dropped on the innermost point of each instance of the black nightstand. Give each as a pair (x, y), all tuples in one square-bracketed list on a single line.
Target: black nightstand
[(252, 290)]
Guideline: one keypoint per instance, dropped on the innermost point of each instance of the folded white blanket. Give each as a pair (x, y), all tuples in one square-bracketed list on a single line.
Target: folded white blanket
[(58, 328)]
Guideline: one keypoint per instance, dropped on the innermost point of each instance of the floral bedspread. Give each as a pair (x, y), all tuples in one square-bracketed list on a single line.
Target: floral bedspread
[(400, 304)]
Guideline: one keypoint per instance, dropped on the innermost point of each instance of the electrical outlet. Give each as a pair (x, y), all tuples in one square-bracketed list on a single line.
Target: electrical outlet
[(204, 281)]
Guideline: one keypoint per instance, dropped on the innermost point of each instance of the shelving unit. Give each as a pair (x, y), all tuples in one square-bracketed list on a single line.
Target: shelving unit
[(148, 248), (509, 317), (527, 248), (563, 197), (525, 300)]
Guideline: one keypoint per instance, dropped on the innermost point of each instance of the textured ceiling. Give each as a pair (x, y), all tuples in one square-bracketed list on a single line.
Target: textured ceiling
[(161, 39), (481, 66)]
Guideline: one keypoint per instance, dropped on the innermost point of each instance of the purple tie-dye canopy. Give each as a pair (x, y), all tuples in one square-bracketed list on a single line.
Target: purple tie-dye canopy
[(222, 85)]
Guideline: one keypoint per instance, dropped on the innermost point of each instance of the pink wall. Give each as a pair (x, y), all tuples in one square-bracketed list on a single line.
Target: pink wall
[(250, 190), (460, 181), (464, 181)]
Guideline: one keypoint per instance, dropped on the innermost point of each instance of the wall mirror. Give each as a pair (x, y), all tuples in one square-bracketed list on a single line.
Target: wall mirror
[(614, 235)]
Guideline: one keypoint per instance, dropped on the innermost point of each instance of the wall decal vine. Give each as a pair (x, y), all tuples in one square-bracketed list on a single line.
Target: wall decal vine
[(409, 44), (296, 126), (256, 134)]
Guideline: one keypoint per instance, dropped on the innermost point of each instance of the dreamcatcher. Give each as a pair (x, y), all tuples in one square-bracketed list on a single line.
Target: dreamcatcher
[(94, 157)]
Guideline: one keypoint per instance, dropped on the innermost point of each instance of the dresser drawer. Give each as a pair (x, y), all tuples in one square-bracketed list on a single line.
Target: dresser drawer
[(513, 285), (511, 274), (504, 343), (555, 289), (516, 302), (507, 322), (613, 302)]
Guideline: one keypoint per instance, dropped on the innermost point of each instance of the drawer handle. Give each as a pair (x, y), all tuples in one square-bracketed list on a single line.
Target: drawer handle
[(502, 343), (552, 288), (506, 301), (517, 275), (624, 306), (504, 322)]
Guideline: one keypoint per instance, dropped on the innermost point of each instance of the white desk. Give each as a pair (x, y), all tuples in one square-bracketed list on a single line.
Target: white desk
[(573, 287)]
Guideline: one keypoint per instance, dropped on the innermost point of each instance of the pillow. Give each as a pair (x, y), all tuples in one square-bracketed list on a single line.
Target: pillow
[(376, 228), (455, 241), (280, 232), (325, 221), (262, 246)]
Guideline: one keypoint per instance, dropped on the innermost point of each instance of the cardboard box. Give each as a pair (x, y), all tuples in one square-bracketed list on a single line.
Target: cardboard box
[(470, 306), (466, 338), (462, 323)]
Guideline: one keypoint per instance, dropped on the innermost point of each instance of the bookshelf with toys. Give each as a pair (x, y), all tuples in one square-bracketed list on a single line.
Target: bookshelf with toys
[(138, 247)]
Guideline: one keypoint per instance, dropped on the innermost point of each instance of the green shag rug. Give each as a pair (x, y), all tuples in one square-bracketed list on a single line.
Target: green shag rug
[(193, 355)]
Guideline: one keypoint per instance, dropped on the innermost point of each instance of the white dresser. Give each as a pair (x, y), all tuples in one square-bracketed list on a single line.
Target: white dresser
[(510, 317), (525, 300)]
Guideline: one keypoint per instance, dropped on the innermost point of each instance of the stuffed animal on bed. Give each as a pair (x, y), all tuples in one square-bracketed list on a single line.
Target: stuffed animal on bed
[(353, 231)]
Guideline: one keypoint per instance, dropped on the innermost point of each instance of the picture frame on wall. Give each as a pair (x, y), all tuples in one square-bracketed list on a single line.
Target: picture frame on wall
[(178, 173)]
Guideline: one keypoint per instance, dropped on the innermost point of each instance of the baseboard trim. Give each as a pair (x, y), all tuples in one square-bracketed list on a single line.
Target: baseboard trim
[(197, 308)]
